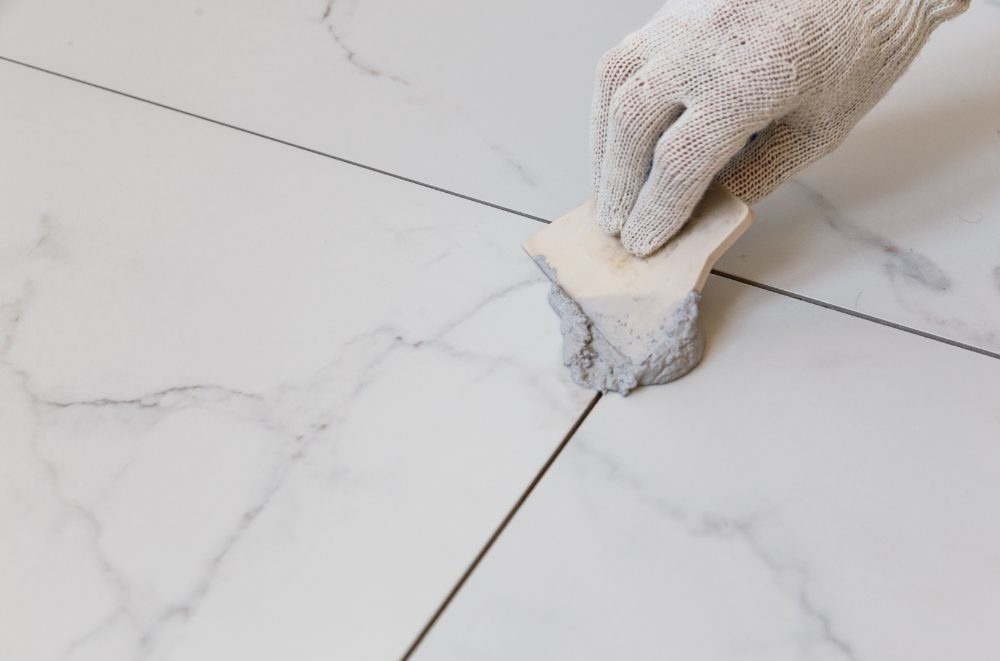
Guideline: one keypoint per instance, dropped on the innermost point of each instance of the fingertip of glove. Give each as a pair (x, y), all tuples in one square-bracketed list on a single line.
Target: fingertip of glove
[(639, 247), (643, 241), (609, 223)]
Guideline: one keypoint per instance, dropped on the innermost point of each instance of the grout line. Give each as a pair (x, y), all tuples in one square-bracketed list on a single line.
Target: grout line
[(854, 313), (279, 141), (729, 276), (503, 524)]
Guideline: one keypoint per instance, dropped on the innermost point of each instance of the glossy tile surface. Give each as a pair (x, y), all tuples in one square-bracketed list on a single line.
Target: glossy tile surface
[(492, 100), (821, 487), (254, 403)]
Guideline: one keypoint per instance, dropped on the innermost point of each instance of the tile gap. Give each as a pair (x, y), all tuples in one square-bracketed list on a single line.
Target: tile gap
[(270, 138), (855, 313), (500, 528)]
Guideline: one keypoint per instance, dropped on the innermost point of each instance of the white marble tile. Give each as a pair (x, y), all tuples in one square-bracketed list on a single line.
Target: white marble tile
[(254, 403), (492, 100), (487, 99), (821, 487)]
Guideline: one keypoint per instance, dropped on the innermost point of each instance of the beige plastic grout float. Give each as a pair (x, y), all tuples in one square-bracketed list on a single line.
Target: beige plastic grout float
[(629, 321)]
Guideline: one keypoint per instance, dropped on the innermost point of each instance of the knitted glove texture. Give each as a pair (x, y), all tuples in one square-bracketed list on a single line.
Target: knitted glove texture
[(744, 91)]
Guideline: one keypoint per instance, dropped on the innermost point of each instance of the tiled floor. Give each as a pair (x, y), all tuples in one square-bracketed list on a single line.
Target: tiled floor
[(832, 496), (259, 403)]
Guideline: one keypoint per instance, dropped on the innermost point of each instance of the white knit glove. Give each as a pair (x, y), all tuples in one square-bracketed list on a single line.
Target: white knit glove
[(744, 91)]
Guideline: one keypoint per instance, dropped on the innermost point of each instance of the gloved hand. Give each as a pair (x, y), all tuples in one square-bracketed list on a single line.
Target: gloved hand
[(744, 91)]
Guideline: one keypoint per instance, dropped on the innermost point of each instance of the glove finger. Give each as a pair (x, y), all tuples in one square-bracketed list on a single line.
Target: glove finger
[(687, 158), (616, 66), (776, 154), (641, 110)]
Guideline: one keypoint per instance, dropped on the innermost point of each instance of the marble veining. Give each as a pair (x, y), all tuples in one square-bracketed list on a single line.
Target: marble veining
[(903, 266), (338, 16), (281, 413), (295, 416), (334, 22), (819, 488), (912, 274), (790, 576), (194, 372)]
